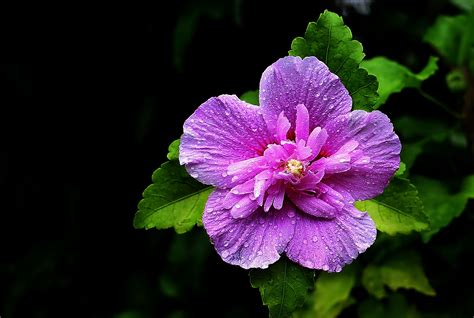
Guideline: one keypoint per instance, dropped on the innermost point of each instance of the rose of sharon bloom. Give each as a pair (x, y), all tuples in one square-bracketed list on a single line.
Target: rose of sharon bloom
[(287, 172)]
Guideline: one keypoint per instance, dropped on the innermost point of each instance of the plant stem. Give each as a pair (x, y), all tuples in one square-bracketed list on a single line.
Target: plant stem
[(440, 104)]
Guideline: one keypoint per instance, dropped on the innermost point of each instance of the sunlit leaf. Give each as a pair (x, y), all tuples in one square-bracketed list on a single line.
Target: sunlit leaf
[(250, 97), (452, 37), (173, 150), (331, 296), (397, 210), (173, 200), (394, 77), (330, 40)]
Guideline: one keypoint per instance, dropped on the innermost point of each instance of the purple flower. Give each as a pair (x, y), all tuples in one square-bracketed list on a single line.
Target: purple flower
[(287, 173)]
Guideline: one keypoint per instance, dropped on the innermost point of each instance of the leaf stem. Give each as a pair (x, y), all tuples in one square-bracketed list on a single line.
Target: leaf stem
[(439, 104)]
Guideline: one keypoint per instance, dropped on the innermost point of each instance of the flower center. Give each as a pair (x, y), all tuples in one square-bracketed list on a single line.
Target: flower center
[(294, 167)]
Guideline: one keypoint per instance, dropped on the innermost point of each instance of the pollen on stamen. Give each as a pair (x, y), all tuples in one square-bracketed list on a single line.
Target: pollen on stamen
[(295, 167)]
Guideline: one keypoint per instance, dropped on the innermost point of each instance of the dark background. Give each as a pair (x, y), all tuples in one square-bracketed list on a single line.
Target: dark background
[(88, 117)]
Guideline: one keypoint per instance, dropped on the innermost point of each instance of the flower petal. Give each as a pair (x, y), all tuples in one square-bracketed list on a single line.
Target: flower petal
[(253, 242), (312, 205), (302, 123), (222, 131), (379, 155), (329, 244), (292, 81)]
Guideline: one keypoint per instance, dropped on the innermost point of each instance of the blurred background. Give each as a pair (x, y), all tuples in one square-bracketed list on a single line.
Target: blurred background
[(89, 115)]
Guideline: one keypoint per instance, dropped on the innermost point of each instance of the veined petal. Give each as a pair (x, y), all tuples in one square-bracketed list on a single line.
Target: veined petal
[(252, 242), (222, 131), (378, 152), (292, 81), (329, 244)]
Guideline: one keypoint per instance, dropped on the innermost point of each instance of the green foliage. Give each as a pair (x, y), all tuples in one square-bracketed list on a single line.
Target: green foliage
[(401, 170), (396, 306), (418, 135), (456, 81), (402, 270), (453, 38), (284, 286), (332, 294), (466, 5), (173, 200), (330, 40), (440, 205), (398, 209), (173, 150), (250, 97), (394, 77)]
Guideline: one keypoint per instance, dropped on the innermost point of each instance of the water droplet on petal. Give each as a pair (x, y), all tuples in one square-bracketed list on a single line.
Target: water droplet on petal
[(237, 206), (246, 244), (325, 267), (224, 174), (308, 264), (194, 174), (225, 254), (291, 214), (305, 242), (315, 238), (259, 253), (235, 191)]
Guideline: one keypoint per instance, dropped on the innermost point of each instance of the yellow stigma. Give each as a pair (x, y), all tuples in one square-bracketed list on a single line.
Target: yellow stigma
[(294, 167)]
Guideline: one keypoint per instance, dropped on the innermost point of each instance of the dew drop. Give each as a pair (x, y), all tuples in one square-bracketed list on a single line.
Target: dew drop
[(246, 244), (224, 174), (315, 238), (305, 242), (308, 264), (210, 209), (259, 253), (194, 174), (293, 222), (226, 243), (291, 214), (325, 267), (237, 206), (225, 254)]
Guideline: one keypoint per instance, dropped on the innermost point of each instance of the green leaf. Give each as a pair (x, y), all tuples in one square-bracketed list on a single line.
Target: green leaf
[(332, 294), (394, 77), (466, 5), (402, 270), (440, 205), (397, 210), (453, 37), (250, 97), (173, 200), (173, 150), (331, 42), (401, 170), (284, 286), (395, 307)]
